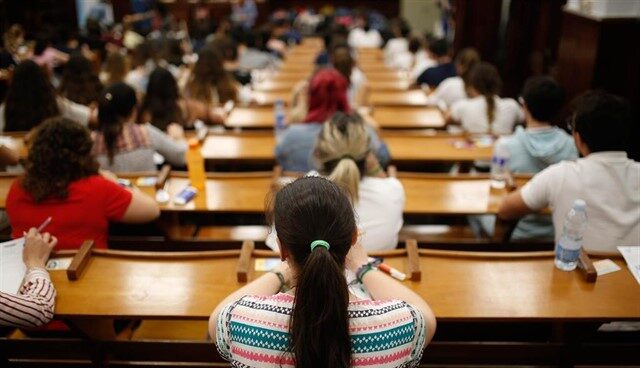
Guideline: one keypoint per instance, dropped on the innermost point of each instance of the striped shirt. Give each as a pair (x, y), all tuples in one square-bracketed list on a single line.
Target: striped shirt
[(254, 332), (33, 306)]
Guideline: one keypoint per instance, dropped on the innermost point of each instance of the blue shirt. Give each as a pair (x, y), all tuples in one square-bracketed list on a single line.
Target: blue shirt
[(434, 75)]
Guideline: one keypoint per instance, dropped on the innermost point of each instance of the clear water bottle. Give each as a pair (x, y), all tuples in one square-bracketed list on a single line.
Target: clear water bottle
[(570, 243), (279, 113), (499, 166)]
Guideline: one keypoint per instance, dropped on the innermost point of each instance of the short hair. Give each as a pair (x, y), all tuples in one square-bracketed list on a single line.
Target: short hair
[(603, 121), (544, 97), (439, 47)]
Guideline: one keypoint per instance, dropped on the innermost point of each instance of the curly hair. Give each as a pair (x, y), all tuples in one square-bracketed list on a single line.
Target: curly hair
[(60, 154), (79, 83)]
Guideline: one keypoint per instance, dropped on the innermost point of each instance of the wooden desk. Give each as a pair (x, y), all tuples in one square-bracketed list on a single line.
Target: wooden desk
[(389, 85), (390, 75), (271, 85), (404, 98), (251, 118), (408, 117), (285, 76), (270, 98), (458, 287)]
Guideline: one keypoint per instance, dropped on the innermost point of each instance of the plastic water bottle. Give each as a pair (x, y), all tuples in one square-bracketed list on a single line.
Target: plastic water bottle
[(499, 166), (279, 113), (570, 243)]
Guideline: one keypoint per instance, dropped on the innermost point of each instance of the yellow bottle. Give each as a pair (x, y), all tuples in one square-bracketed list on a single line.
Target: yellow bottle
[(195, 165)]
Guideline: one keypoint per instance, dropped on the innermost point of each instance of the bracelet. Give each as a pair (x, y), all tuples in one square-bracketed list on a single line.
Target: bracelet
[(283, 283), (362, 270)]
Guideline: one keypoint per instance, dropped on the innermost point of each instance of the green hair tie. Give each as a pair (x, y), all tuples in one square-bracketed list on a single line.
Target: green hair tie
[(319, 243)]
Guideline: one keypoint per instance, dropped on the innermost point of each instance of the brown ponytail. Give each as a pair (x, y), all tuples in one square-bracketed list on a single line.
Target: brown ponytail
[(484, 78), (313, 208)]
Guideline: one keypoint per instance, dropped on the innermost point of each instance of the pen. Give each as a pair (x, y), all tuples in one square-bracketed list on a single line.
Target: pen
[(392, 271), (42, 226)]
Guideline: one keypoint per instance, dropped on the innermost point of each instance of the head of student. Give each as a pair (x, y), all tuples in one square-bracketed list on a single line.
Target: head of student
[(542, 98), (465, 60), (327, 94), (485, 81), (209, 73), (341, 150), (602, 122), (79, 83), (30, 98), (116, 106), (316, 227), (116, 67), (161, 100), (59, 155), (438, 49), (342, 60)]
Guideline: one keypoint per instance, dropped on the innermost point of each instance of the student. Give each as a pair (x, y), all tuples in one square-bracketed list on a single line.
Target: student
[(327, 94), (318, 323), (13, 40), (396, 50), (47, 56), (421, 60), (438, 51), (31, 99), (115, 70), (362, 35), (162, 104), (79, 84), (253, 57), (452, 89), (605, 178), (485, 112), (62, 181), (33, 305), (342, 153), (210, 83), (121, 145), (343, 62)]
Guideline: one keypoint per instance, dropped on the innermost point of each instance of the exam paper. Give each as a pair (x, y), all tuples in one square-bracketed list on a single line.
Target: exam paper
[(12, 268), (631, 254)]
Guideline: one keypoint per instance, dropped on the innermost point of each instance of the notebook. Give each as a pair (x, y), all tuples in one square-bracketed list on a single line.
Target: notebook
[(12, 268)]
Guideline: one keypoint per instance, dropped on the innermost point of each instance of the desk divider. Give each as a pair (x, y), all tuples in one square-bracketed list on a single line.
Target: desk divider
[(80, 260), (585, 265), (163, 176)]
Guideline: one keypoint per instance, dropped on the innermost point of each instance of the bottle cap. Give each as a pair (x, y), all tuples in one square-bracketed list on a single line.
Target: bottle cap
[(194, 143), (579, 204)]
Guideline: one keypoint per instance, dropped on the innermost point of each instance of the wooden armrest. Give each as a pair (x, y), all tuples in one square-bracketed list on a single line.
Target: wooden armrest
[(80, 260), (586, 267), (413, 261), (243, 270), (163, 175)]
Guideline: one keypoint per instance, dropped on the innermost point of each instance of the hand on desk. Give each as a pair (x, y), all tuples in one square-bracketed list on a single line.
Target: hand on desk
[(356, 257), (37, 248)]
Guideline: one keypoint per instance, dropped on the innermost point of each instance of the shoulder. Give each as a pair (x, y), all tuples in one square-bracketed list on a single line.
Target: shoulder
[(383, 312), (384, 185)]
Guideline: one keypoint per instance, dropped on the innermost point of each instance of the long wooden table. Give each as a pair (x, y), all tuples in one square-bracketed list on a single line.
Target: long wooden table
[(394, 98), (277, 85), (259, 146), (458, 287)]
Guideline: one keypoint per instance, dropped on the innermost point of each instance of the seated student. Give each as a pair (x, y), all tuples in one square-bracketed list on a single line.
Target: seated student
[(396, 51), (79, 84), (318, 322), (452, 89), (327, 94), (252, 55), (115, 69), (535, 147), (362, 35), (121, 145), (31, 99), (163, 106), (62, 181), (485, 112), (438, 51), (421, 60), (343, 62), (605, 178), (33, 305), (342, 153)]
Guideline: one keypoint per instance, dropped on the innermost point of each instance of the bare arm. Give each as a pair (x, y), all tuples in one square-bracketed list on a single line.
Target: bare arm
[(513, 206), (141, 209)]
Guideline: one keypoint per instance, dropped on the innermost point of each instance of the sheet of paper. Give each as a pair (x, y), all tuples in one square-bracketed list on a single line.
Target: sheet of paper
[(59, 263), (12, 268), (631, 254), (605, 266)]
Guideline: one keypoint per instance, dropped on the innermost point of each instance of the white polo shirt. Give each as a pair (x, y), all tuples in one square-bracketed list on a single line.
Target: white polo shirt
[(472, 114), (610, 184), (449, 91)]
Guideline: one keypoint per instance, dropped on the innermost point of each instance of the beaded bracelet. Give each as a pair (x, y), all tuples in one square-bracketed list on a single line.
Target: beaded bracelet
[(283, 283), (362, 270)]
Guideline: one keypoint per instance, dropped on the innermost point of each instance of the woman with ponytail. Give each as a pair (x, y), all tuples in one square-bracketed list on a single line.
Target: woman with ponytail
[(452, 89), (302, 313), (343, 155), (121, 145), (484, 111)]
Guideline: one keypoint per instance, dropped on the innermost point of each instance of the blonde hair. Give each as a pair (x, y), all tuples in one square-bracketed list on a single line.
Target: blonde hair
[(341, 151)]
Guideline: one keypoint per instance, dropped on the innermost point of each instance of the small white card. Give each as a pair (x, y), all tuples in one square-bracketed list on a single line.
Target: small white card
[(59, 263), (605, 266)]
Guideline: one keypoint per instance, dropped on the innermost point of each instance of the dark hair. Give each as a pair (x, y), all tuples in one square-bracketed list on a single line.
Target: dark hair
[(314, 208), (544, 97), (342, 61), (79, 83), (439, 47), (208, 74), (415, 43), (116, 104), (30, 98), (59, 155), (603, 121), (161, 100), (485, 79)]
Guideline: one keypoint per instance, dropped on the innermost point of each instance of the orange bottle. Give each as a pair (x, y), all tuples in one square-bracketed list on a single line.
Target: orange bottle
[(195, 165)]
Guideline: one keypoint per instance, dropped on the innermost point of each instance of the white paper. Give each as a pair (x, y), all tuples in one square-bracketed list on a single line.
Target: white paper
[(605, 266), (59, 263), (631, 254), (12, 268)]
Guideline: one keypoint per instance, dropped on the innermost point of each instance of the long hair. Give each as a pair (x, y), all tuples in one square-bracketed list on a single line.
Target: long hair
[(60, 154), (208, 74), (30, 98), (116, 104), (485, 79), (313, 208), (342, 61), (341, 150), (327, 94), (79, 83), (465, 60), (161, 100), (116, 68)]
